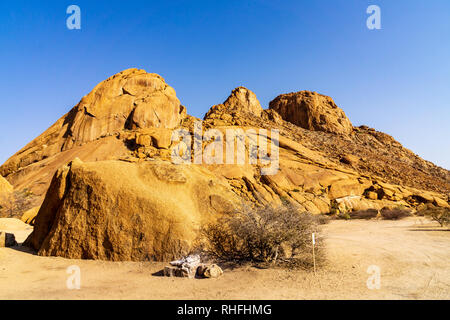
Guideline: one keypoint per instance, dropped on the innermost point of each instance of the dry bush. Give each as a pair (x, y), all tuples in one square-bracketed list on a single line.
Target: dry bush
[(322, 219), (264, 235), (13, 205), (438, 214), (364, 214), (394, 214)]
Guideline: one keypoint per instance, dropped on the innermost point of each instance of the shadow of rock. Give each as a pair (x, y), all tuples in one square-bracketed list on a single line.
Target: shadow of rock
[(159, 273), (24, 249), (428, 229)]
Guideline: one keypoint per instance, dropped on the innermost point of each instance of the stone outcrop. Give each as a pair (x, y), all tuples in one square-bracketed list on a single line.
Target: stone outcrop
[(29, 216), (131, 99), (115, 210), (240, 104), (125, 200), (312, 111)]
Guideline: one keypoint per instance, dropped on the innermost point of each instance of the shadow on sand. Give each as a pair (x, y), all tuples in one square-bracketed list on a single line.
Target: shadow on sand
[(24, 249)]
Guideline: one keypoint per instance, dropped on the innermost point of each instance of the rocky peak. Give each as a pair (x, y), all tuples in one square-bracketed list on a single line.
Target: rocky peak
[(240, 101), (243, 99), (132, 99), (312, 111)]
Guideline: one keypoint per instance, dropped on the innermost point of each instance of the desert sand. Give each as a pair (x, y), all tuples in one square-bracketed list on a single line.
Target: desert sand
[(412, 254)]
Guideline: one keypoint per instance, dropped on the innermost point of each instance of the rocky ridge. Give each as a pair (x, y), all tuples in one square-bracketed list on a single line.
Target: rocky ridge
[(124, 199)]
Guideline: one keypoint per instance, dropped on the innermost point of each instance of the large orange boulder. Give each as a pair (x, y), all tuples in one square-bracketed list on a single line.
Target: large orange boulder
[(131, 99), (312, 111), (120, 211)]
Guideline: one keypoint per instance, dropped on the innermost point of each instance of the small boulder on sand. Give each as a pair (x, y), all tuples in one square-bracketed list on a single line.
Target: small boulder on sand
[(185, 268), (212, 271), (190, 267), (7, 240)]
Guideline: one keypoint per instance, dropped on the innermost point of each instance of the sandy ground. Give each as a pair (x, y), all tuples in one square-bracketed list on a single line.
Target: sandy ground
[(413, 256)]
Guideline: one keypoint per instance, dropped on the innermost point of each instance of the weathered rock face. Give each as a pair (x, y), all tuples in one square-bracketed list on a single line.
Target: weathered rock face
[(5, 190), (5, 186), (131, 99), (242, 102), (312, 111), (242, 99), (30, 215), (121, 211)]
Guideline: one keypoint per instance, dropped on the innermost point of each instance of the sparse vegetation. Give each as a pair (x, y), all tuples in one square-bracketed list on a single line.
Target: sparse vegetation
[(394, 214), (438, 214), (265, 235), (364, 214), (13, 205)]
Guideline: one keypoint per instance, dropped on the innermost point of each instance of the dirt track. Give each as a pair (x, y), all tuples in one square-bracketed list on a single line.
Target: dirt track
[(413, 256)]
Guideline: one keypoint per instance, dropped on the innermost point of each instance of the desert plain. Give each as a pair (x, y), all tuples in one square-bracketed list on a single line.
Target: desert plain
[(412, 255)]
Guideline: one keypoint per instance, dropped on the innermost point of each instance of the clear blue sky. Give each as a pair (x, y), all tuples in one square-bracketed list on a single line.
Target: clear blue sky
[(396, 80)]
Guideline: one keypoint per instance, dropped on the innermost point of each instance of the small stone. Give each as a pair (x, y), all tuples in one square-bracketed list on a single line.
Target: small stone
[(213, 271), (7, 240), (349, 159), (169, 271), (201, 269)]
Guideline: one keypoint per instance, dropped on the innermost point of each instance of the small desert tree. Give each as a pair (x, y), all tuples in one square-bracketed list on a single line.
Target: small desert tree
[(438, 214), (262, 234)]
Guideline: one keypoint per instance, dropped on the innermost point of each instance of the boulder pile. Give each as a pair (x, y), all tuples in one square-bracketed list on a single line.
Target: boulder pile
[(191, 267), (121, 211)]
